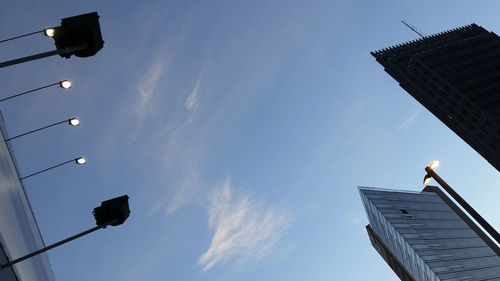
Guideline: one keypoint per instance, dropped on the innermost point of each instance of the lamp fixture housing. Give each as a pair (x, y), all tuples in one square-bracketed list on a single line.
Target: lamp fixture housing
[(49, 32), (74, 121), (80, 161), (65, 84), (112, 212), (82, 32)]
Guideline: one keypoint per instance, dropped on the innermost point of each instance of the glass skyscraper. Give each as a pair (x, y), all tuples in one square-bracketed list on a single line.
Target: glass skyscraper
[(456, 75), (424, 236)]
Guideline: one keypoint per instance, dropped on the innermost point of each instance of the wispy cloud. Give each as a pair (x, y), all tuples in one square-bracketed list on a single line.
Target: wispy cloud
[(406, 125), (176, 111), (189, 185), (192, 99), (148, 84), (244, 230), (146, 90)]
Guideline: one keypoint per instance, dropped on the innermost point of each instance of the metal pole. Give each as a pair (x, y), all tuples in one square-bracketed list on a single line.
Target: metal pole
[(44, 170), (52, 246), (27, 34), (27, 92), (68, 50), (28, 58), (36, 130), (465, 205)]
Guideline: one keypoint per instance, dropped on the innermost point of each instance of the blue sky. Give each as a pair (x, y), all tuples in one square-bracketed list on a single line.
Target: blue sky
[(239, 129)]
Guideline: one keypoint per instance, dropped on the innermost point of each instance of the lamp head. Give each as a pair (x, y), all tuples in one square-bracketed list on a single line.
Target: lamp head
[(82, 32), (49, 32), (74, 121), (434, 164), (65, 84), (112, 212), (80, 161), (427, 179)]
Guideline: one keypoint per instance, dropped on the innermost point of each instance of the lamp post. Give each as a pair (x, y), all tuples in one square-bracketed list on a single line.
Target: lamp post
[(79, 161), (65, 84), (431, 174), (111, 212), (72, 122), (79, 35)]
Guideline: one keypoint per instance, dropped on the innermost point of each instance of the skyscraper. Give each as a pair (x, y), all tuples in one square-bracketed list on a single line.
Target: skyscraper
[(424, 236), (456, 76)]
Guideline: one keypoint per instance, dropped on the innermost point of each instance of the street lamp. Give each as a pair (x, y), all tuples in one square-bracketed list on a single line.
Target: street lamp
[(49, 32), (79, 35), (432, 174), (434, 164), (428, 178), (111, 212), (78, 160), (65, 84), (72, 122)]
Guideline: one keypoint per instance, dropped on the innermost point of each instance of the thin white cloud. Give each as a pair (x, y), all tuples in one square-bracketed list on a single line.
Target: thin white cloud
[(154, 209), (189, 185), (244, 230), (148, 84), (143, 99), (192, 99), (406, 125)]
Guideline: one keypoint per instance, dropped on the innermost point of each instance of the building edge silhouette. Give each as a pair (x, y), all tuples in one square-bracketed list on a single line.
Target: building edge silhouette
[(19, 231)]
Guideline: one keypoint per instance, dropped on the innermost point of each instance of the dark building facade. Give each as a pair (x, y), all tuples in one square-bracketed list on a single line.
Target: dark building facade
[(456, 76), (424, 236)]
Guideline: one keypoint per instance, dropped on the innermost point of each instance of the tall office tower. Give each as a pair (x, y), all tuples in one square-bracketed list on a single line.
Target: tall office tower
[(424, 236), (456, 76)]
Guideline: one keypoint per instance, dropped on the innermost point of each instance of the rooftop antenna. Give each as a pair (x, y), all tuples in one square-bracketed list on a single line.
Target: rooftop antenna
[(413, 29)]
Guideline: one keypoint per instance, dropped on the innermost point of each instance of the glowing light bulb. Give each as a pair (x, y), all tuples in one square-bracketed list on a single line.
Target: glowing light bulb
[(427, 179), (66, 84), (74, 122), (49, 32), (434, 164)]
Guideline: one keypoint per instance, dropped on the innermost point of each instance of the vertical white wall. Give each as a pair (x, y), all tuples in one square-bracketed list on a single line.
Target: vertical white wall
[(19, 233)]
